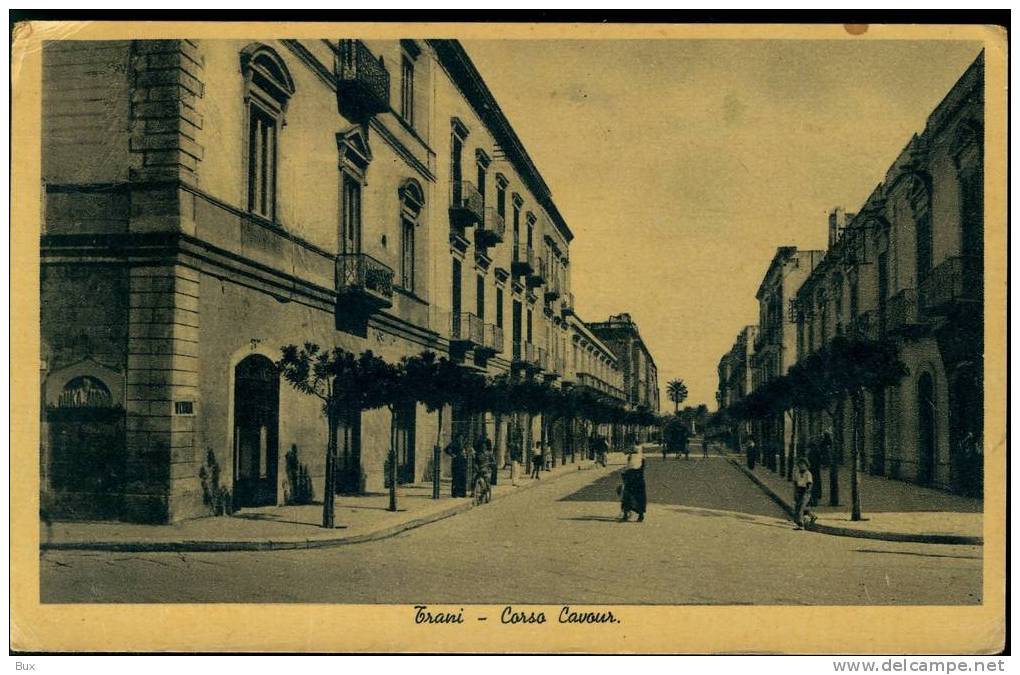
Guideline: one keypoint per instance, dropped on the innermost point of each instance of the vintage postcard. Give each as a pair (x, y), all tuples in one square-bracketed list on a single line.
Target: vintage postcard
[(508, 338)]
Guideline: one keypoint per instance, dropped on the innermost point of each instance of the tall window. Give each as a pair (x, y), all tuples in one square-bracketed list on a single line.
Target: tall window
[(500, 197), (482, 161), (455, 300), (499, 307), (516, 319), (261, 163), (517, 227), (407, 254), (883, 287), (529, 325), (268, 89), (407, 90), (412, 200), (350, 225)]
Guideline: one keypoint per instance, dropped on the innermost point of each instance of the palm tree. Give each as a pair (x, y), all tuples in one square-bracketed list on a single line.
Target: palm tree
[(677, 391)]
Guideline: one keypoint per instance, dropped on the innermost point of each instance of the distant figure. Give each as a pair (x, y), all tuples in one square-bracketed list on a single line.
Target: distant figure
[(516, 457), (814, 458), (458, 467), (802, 482), (752, 454), (537, 461), (633, 495), (704, 447), (483, 461), (483, 446), (601, 449)]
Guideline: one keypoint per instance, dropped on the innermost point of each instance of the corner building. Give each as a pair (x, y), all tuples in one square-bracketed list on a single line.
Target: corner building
[(206, 203)]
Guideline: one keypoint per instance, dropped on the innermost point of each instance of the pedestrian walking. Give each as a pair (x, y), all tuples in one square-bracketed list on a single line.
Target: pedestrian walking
[(458, 467), (516, 457), (633, 495), (704, 447), (537, 461), (802, 482)]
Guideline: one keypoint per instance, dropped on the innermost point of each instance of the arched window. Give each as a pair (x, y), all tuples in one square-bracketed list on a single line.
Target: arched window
[(412, 201), (268, 88)]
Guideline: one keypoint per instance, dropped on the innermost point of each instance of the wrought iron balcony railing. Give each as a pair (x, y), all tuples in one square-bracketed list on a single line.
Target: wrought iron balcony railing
[(531, 354), (467, 328), (567, 305), (901, 311), (363, 83), (492, 229), (364, 279), (467, 206), (542, 358), (864, 326), (954, 282), (538, 272), (552, 287), (524, 260), (492, 340)]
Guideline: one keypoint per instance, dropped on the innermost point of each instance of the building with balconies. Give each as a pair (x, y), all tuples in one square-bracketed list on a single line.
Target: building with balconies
[(367, 195), (908, 268), (640, 376)]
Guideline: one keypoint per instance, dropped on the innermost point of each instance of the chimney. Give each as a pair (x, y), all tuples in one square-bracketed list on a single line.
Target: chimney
[(837, 221)]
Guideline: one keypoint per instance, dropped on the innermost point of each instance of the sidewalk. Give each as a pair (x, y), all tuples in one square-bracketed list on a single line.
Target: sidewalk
[(893, 510), (359, 519)]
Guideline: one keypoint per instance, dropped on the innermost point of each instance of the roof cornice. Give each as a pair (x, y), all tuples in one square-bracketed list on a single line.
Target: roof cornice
[(469, 81)]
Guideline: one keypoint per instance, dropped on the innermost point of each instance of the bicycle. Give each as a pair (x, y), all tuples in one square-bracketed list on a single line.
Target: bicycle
[(482, 492)]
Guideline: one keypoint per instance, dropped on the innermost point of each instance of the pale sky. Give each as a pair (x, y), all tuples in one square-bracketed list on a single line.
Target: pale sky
[(680, 165)]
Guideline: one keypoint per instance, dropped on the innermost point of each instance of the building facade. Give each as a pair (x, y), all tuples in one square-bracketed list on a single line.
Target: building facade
[(735, 368), (908, 267), (640, 376), (206, 203)]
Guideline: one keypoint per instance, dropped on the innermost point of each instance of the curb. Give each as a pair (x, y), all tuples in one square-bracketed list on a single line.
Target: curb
[(207, 546), (959, 539)]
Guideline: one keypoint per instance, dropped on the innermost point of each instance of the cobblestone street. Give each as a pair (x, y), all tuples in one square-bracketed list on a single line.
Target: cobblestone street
[(711, 536)]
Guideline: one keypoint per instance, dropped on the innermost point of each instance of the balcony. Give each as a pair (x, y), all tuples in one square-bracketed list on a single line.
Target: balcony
[(864, 326), (363, 83), (492, 229), (364, 282), (953, 283), (901, 311), (467, 207), (567, 306), (524, 260), (492, 340), (466, 329), (531, 356), (538, 273), (541, 358), (552, 289)]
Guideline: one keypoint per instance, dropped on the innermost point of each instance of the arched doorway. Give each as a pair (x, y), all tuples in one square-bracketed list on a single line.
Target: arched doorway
[(256, 431), (926, 429), (87, 458)]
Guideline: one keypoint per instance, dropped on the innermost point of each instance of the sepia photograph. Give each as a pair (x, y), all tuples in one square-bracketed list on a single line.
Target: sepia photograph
[(506, 327)]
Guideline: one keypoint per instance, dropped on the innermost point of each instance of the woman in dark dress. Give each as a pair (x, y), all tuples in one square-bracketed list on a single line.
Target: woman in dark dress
[(458, 467), (632, 495)]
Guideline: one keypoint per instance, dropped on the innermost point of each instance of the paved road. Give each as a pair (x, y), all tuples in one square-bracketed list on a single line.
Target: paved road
[(710, 537)]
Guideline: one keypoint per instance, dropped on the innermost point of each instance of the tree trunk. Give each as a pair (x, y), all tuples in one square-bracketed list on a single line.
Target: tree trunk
[(329, 490), (437, 455), (393, 462), (833, 465)]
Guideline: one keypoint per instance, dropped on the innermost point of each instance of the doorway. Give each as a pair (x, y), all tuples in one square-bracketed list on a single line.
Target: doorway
[(256, 431)]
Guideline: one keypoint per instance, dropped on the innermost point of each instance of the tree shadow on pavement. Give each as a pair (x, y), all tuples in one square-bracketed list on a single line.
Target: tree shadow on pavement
[(714, 485)]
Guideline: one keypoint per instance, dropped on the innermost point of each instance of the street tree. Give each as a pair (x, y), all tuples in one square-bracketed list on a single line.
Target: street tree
[(677, 392), (843, 369), (334, 377)]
